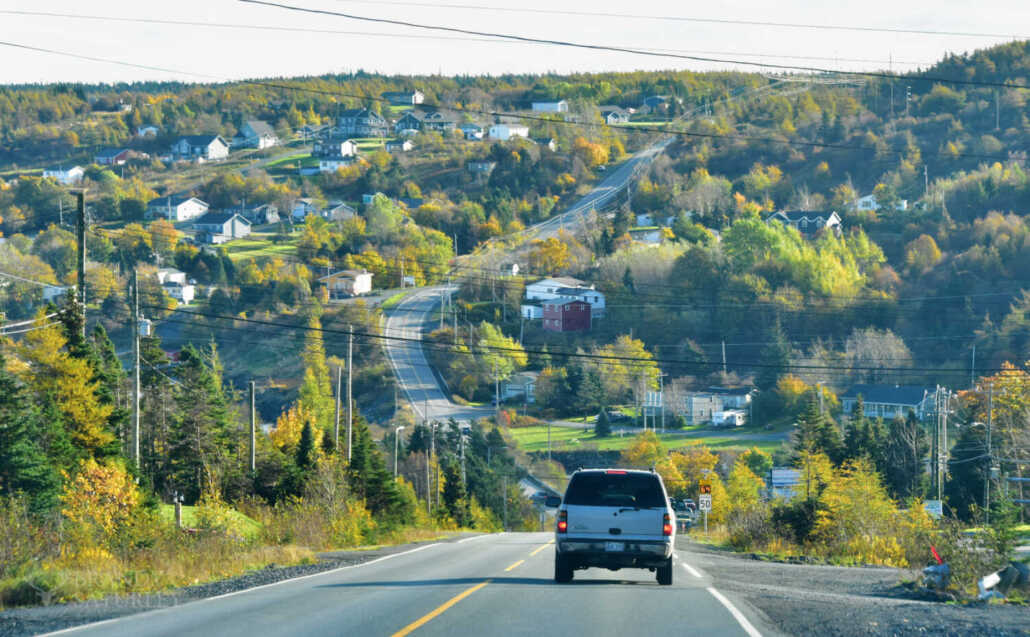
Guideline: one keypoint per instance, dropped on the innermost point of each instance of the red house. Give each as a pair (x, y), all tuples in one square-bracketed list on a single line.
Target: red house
[(566, 315)]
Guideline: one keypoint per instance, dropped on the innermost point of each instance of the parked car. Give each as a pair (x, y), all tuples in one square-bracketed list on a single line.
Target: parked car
[(614, 519)]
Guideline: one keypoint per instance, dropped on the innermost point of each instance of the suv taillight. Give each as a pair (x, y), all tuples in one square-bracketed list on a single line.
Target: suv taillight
[(666, 525), (563, 521)]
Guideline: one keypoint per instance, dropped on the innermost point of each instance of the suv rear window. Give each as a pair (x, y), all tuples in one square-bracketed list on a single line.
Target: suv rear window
[(615, 490)]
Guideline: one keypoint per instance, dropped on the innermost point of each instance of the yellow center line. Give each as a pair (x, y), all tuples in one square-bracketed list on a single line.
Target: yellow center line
[(439, 610), (537, 550), (514, 565)]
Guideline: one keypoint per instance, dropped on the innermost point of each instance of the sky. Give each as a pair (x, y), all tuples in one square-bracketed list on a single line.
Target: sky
[(294, 43)]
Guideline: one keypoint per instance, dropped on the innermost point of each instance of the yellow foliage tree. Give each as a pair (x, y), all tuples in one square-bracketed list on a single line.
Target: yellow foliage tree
[(100, 499), (288, 426), (745, 488), (52, 371)]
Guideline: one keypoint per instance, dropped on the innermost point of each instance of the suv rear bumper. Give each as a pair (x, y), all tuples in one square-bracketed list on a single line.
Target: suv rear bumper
[(636, 553)]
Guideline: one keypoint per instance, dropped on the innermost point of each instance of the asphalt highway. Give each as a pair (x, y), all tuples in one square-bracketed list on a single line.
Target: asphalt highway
[(484, 585)]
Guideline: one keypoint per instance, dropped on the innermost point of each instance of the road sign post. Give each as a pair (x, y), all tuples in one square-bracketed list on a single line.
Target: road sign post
[(704, 501)]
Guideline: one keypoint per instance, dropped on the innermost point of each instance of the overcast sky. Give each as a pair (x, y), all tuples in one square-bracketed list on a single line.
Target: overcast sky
[(234, 53)]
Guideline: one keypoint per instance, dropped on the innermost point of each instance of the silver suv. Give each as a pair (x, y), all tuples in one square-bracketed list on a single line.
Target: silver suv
[(614, 518)]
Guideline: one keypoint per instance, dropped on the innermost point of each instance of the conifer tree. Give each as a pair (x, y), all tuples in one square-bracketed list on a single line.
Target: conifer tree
[(305, 457), (316, 394), (370, 480), (603, 426), (818, 434), (454, 496), (24, 467)]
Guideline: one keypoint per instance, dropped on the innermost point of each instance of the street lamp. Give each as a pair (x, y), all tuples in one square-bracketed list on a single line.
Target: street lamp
[(396, 440)]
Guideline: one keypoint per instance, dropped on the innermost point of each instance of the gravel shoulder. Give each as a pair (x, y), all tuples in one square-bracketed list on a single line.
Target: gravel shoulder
[(802, 599), (19, 622)]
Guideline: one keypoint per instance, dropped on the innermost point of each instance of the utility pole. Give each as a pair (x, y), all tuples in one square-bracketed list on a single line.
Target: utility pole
[(81, 239), (350, 389), (497, 397), (990, 458), (506, 502), (661, 397), (135, 366), (724, 358), (997, 110), (522, 329), (926, 181), (339, 396), (972, 366), (253, 430), (402, 274)]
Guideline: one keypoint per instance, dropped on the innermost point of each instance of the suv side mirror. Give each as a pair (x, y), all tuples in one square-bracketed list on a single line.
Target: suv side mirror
[(552, 502)]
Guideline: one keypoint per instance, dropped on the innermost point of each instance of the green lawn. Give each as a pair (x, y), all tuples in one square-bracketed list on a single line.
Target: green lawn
[(256, 248), (565, 438), (366, 144), (287, 158), (392, 302), (248, 526)]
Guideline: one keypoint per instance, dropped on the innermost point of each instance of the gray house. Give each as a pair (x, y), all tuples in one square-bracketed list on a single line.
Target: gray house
[(205, 147), (889, 401), (361, 122), (219, 227)]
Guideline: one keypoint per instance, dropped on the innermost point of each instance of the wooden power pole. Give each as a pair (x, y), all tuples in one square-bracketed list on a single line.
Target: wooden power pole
[(135, 366), (80, 230)]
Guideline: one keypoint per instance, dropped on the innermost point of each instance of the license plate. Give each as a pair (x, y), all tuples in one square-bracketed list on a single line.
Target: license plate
[(615, 546)]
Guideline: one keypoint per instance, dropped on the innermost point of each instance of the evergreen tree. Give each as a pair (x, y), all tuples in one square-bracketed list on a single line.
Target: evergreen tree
[(818, 434), (454, 496), (906, 447), (371, 481), (111, 376), (24, 467), (305, 456), (967, 473), (775, 359), (603, 426), (627, 280), (201, 438)]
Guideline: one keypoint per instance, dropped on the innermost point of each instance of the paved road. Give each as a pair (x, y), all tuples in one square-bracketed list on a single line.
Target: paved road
[(409, 319), (486, 585)]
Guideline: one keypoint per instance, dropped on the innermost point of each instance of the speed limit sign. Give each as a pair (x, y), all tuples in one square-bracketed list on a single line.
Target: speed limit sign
[(704, 502)]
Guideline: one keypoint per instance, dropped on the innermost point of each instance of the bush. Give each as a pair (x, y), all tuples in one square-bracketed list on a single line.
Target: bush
[(750, 528)]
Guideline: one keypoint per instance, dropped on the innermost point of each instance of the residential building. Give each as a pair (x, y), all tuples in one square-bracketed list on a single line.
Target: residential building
[(176, 208), (332, 164), (566, 315), (734, 397), (361, 122), (567, 288), (65, 175), (259, 215), (614, 114), (808, 222), (655, 103), (171, 275), (504, 132), (889, 401), (219, 227), (334, 147), (650, 236), (480, 167), (531, 311), (729, 418), (147, 131), (112, 156), (303, 207), (347, 283), (471, 131), (869, 203), (256, 133), (700, 407), (521, 385), (547, 142), (783, 483), (182, 292), (425, 121), (51, 293), (404, 98), (509, 269), (338, 211), (561, 106), (201, 147), (399, 145)]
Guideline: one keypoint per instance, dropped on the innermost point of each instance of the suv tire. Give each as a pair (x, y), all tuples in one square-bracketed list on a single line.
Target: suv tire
[(562, 569), (664, 573)]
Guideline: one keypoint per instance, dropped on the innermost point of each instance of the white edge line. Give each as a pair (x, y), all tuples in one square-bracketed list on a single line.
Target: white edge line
[(72, 629), (690, 569), (739, 616), (474, 537)]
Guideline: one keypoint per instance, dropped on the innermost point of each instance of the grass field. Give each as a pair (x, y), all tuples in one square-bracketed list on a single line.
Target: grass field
[(392, 302), (247, 526), (257, 248), (366, 144), (569, 439)]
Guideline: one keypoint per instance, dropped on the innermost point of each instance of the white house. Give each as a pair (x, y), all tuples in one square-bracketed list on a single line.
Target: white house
[(332, 164), (889, 401), (338, 211), (613, 114), (404, 98), (561, 106), (176, 208), (504, 132), (147, 131), (869, 203), (471, 131), (257, 134), (219, 227), (566, 289), (303, 207), (201, 147), (521, 385), (171, 275), (347, 283), (183, 293), (808, 222), (334, 147), (729, 418), (399, 146), (65, 175), (53, 292)]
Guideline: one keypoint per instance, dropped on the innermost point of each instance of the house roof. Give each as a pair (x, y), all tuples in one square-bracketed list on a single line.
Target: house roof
[(201, 140), (111, 152), (170, 271), (888, 394), (575, 291), (173, 200), (260, 128), (563, 281), (347, 274), (795, 216), (611, 108), (731, 391), (357, 112), (564, 302), (390, 94), (219, 218), (62, 169)]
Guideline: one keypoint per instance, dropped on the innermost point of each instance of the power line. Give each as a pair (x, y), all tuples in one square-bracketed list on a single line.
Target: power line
[(24, 280), (618, 49), (668, 18), (571, 354), (262, 27), (502, 114)]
